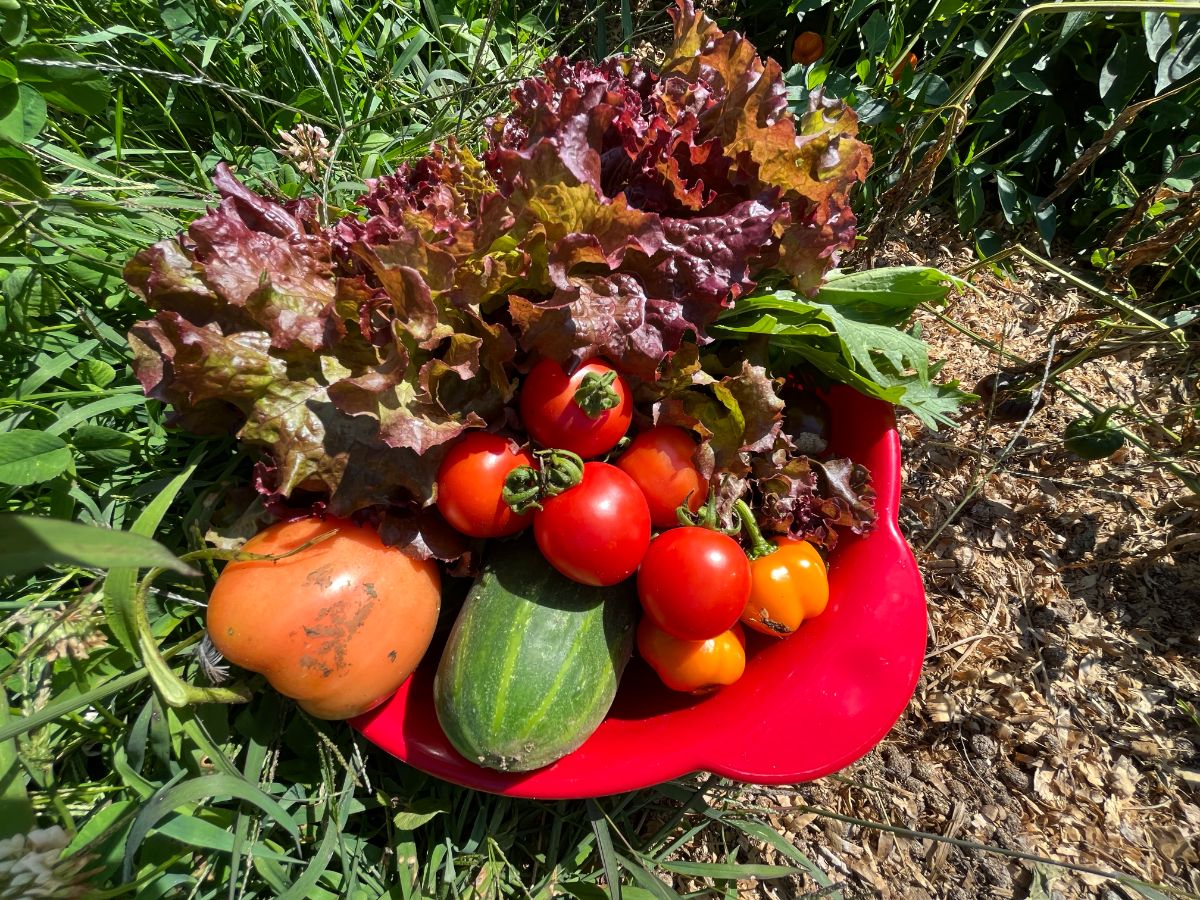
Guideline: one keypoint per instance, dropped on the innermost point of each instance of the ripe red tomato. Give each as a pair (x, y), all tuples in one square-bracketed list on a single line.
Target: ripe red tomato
[(660, 461), (551, 411), (694, 582), (470, 482), (596, 532)]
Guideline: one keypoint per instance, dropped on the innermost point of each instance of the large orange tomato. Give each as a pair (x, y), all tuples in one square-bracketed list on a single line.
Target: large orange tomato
[(337, 626)]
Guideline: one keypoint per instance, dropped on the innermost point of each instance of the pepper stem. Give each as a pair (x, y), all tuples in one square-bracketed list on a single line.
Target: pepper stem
[(596, 393), (759, 545)]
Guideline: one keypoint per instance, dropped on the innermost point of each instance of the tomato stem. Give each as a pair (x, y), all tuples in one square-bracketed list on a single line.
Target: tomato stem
[(596, 393), (526, 487), (522, 490), (759, 545)]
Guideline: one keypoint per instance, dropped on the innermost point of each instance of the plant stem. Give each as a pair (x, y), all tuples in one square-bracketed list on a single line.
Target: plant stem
[(759, 545)]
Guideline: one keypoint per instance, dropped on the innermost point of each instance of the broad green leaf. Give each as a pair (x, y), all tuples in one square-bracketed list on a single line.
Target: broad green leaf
[(1009, 199), (22, 112), (20, 175), (64, 78), (96, 371), (28, 457), (419, 812), (999, 102), (1119, 77), (103, 446), (28, 543), (1182, 56), (927, 88), (875, 33), (207, 787), (968, 199), (891, 292)]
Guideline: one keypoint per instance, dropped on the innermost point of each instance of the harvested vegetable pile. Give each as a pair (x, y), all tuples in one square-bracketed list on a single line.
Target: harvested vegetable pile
[(635, 250)]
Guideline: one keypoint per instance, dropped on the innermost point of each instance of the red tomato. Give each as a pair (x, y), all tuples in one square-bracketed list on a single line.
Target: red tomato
[(694, 582), (660, 461), (551, 411), (470, 482), (596, 532)]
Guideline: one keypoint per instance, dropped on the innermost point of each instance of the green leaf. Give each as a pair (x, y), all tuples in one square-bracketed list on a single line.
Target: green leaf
[(929, 89), (20, 174), (14, 19), (999, 102), (22, 112), (103, 446), (763, 832), (646, 880), (16, 811), (875, 33), (207, 787), (97, 372), (64, 78), (28, 543), (888, 294), (1009, 199), (878, 360), (419, 812), (727, 871), (28, 457), (121, 584), (1182, 56), (968, 199), (604, 846)]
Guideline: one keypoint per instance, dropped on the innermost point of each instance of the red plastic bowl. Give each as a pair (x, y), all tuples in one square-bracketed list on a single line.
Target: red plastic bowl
[(806, 706)]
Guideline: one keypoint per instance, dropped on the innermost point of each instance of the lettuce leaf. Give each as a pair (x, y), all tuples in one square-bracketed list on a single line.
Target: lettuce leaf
[(616, 211)]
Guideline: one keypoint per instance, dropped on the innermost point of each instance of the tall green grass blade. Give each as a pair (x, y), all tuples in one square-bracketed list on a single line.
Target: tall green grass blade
[(604, 846), (121, 584), (207, 787)]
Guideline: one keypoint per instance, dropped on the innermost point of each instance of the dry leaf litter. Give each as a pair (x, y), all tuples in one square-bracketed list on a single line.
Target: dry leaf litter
[(1055, 715)]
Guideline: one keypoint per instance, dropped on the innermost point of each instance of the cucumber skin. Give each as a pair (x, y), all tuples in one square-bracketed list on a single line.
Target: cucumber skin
[(532, 663)]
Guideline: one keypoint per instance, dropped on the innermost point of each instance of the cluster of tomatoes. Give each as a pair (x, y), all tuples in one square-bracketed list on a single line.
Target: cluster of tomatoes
[(593, 521)]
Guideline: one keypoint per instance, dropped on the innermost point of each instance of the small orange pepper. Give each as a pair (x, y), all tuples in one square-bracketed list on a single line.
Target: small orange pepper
[(695, 667), (788, 581)]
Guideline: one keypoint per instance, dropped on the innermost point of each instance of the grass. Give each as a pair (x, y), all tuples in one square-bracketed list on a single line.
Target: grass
[(136, 102)]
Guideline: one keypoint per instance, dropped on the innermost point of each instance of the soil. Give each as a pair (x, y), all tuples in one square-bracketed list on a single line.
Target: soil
[(1056, 715)]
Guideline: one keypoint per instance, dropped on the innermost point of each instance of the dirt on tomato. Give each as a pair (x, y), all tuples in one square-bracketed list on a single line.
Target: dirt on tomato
[(337, 625)]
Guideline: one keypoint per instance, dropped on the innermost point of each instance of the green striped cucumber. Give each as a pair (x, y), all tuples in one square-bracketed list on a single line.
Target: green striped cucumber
[(531, 666)]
